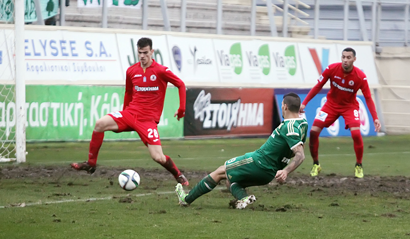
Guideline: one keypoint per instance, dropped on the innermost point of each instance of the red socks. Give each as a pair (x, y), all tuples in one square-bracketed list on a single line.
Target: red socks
[(314, 146), (358, 145), (171, 167), (95, 145)]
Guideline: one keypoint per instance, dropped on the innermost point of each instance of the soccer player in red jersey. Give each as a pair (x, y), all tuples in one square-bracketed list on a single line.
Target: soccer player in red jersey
[(345, 81), (146, 84)]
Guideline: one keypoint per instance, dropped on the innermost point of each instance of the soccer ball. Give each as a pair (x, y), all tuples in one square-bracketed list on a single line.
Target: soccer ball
[(129, 180)]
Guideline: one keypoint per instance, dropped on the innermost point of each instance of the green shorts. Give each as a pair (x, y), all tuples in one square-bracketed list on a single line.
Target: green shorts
[(244, 171)]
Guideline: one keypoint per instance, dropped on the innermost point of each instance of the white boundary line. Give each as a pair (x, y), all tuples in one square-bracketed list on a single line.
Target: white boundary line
[(14, 205)]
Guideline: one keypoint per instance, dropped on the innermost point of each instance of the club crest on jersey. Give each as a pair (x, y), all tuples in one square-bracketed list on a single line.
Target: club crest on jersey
[(153, 77), (351, 83), (321, 116)]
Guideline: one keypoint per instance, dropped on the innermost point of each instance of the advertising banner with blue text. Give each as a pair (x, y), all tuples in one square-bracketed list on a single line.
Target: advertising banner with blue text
[(71, 56), (338, 127), (65, 113)]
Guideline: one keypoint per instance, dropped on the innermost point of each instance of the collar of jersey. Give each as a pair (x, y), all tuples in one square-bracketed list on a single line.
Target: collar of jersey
[(153, 63), (293, 119)]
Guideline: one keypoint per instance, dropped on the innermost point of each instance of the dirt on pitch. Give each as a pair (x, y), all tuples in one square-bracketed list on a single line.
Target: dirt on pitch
[(398, 186)]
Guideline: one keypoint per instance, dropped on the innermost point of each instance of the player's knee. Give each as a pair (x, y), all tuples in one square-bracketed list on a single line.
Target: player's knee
[(100, 125), (158, 158)]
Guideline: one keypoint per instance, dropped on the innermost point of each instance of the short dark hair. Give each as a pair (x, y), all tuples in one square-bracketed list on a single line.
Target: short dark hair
[(292, 100), (349, 49), (144, 41)]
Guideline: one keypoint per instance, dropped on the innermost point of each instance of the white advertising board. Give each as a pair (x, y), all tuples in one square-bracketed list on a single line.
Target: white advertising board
[(230, 60), (315, 58), (193, 59), (127, 46), (6, 56), (286, 65), (72, 56), (364, 61)]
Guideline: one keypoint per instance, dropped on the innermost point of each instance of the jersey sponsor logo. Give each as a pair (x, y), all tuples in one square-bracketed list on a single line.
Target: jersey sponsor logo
[(351, 83), (227, 115), (154, 88), (321, 116), (116, 114), (138, 75), (153, 77), (342, 88)]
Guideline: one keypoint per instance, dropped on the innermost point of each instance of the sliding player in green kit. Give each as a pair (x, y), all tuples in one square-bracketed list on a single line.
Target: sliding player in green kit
[(271, 160)]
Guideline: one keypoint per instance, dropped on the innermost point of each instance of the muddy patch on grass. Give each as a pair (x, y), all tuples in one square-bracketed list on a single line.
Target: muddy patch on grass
[(398, 186)]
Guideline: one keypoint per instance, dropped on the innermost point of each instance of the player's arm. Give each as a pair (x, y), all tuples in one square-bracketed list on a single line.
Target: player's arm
[(370, 104), (281, 175), (169, 76), (316, 89), (128, 91)]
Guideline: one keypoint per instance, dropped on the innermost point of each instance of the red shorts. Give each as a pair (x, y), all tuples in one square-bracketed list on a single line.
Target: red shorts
[(147, 130), (328, 115)]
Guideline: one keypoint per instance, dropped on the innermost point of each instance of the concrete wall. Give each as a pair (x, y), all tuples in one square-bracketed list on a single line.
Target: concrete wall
[(394, 78)]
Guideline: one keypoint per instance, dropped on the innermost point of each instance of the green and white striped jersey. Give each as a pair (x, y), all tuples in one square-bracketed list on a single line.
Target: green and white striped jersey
[(276, 152)]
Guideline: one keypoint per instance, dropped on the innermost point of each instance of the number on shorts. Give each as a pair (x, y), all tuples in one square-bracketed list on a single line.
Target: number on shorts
[(356, 113), (152, 133)]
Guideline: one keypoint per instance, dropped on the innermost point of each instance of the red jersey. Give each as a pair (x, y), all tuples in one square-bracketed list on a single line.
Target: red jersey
[(343, 88), (145, 90)]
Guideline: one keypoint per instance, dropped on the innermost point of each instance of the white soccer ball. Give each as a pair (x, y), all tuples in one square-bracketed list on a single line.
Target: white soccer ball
[(129, 180)]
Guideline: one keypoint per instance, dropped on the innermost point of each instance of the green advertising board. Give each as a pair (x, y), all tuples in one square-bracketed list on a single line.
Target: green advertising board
[(69, 113), (49, 8)]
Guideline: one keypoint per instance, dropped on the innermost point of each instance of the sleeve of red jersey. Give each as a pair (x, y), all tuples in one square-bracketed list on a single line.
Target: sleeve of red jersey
[(368, 97), (128, 91), (169, 76), (320, 83)]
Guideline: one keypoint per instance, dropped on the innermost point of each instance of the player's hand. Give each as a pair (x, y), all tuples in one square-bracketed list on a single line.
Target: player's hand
[(302, 108), (180, 114), (377, 125), (281, 176)]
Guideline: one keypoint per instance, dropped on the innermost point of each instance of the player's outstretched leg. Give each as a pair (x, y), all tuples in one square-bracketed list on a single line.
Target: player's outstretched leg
[(179, 190), (95, 145), (173, 169)]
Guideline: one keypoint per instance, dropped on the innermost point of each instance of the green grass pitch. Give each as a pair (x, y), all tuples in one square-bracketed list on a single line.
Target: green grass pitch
[(43, 198)]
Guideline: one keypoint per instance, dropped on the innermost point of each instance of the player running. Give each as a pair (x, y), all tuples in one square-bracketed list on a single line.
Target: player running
[(146, 84), (345, 81), (271, 160)]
